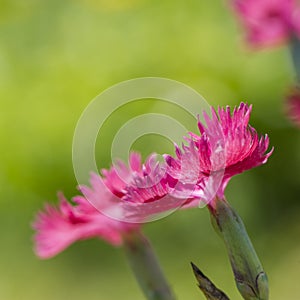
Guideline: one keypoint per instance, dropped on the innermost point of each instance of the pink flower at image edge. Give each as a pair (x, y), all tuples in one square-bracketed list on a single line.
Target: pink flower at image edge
[(293, 106), (268, 22)]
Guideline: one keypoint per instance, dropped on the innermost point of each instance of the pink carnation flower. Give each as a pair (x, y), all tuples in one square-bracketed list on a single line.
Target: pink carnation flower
[(293, 106), (124, 196), (268, 22), (227, 146)]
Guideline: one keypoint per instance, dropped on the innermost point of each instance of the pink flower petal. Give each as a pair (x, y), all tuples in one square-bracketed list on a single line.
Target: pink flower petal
[(58, 227)]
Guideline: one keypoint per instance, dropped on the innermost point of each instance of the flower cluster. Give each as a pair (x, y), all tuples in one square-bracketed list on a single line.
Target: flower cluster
[(268, 22), (227, 145)]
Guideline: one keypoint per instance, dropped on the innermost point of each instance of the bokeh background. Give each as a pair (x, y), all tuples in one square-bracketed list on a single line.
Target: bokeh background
[(55, 56)]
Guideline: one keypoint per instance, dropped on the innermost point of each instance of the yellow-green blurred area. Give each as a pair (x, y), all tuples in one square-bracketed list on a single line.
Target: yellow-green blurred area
[(57, 55)]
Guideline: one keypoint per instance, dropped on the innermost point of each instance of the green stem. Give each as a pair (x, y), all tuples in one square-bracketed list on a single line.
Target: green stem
[(295, 53), (250, 277), (146, 268)]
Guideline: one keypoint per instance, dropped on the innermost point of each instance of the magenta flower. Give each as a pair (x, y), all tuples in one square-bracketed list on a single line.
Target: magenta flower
[(293, 106), (58, 227), (227, 146), (268, 22)]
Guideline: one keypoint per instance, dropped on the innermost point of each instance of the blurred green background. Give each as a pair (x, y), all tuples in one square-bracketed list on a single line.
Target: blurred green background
[(55, 56)]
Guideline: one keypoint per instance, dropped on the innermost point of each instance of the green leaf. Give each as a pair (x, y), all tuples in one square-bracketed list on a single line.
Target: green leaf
[(210, 291)]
